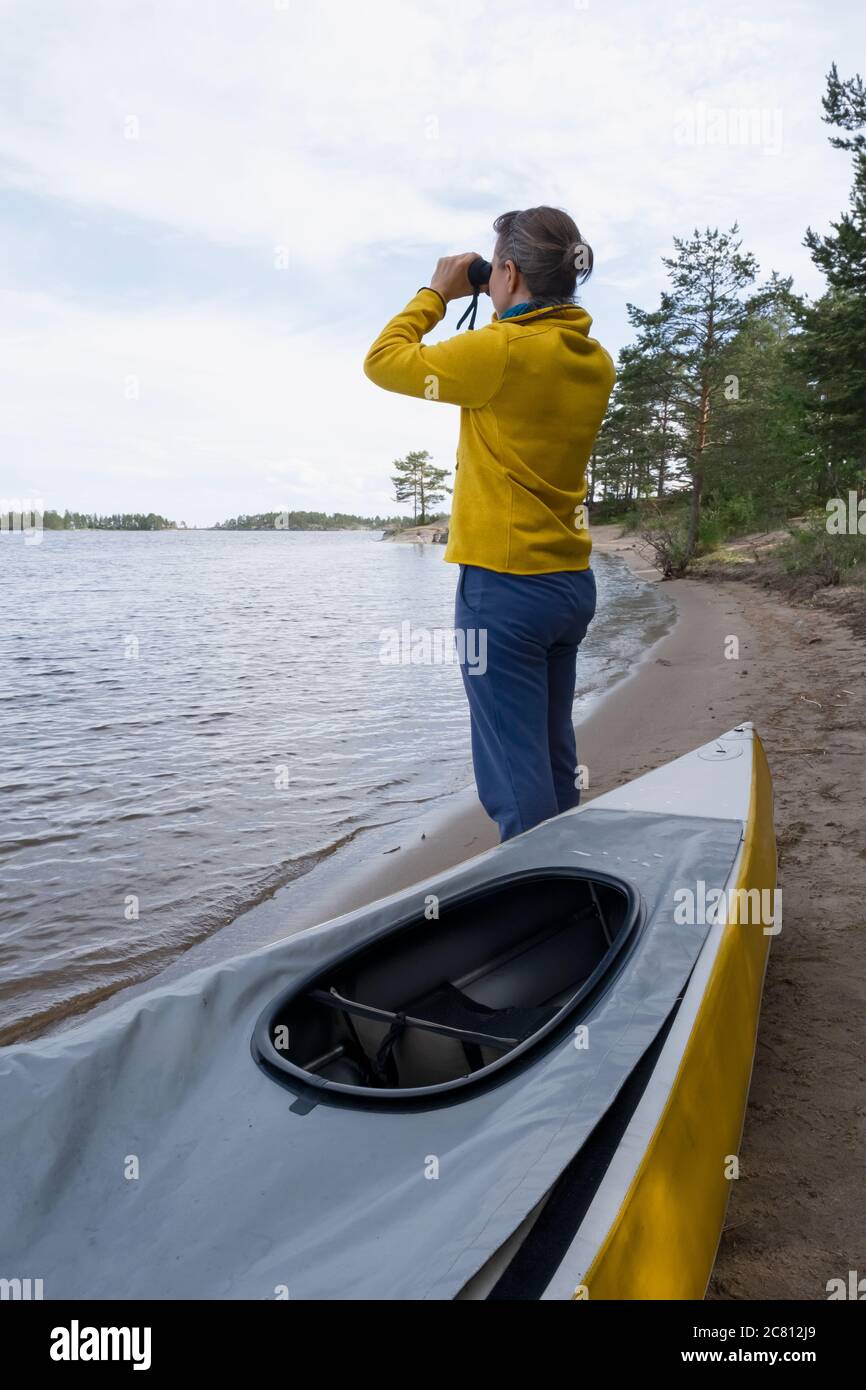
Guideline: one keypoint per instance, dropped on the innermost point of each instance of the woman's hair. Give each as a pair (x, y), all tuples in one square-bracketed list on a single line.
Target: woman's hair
[(546, 246)]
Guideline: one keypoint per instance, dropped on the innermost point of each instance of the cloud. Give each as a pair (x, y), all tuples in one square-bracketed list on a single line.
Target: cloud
[(159, 162), (215, 412)]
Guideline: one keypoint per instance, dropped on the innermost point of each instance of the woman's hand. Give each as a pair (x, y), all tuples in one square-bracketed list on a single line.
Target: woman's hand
[(451, 276)]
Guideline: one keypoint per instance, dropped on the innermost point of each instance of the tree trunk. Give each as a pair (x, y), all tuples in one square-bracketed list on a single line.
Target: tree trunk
[(694, 514), (698, 473), (660, 490)]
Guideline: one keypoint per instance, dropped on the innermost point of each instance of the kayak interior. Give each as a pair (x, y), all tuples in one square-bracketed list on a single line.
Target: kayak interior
[(437, 1004)]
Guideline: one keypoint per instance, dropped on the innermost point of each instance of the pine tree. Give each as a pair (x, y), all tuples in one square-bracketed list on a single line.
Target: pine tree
[(655, 381), (406, 481), (708, 276), (762, 466), (418, 481), (834, 339), (432, 489)]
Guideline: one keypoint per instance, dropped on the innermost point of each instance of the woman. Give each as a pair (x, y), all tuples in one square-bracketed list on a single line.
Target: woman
[(533, 388)]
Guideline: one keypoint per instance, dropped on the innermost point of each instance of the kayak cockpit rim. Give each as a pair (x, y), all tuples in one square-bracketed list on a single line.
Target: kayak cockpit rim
[(427, 1010)]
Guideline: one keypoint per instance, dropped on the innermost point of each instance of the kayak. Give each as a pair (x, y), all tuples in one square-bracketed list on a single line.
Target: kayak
[(524, 1078)]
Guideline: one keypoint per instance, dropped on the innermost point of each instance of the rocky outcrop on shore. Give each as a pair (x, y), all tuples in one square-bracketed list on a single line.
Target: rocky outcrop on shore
[(436, 533)]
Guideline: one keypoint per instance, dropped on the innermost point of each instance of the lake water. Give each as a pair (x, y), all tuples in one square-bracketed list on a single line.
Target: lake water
[(190, 720)]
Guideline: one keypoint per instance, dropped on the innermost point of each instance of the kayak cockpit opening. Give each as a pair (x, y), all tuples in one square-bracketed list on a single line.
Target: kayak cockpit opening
[(437, 1005)]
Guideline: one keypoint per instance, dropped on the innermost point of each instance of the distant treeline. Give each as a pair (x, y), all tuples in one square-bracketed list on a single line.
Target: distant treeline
[(263, 521), (118, 521), (307, 521), (745, 399)]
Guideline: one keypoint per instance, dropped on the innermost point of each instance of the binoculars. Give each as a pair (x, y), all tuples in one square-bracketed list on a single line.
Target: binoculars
[(479, 274)]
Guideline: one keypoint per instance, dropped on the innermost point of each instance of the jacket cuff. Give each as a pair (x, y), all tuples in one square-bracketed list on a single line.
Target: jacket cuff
[(438, 296)]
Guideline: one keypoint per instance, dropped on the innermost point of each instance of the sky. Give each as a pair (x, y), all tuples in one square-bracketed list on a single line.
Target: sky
[(209, 211)]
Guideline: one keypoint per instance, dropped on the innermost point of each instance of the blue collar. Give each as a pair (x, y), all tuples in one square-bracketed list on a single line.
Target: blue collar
[(515, 309)]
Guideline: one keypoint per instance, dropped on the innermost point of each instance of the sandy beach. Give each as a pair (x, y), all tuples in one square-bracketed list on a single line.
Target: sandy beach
[(796, 1216)]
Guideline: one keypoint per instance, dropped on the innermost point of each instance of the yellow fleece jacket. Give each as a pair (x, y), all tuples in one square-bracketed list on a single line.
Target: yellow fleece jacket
[(532, 390)]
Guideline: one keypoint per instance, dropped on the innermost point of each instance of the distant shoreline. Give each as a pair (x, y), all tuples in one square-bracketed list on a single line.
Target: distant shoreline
[(150, 530), (297, 519)]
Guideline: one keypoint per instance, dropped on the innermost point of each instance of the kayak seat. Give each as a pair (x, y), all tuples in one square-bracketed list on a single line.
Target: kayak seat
[(448, 1004), (421, 1058), (437, 1034)]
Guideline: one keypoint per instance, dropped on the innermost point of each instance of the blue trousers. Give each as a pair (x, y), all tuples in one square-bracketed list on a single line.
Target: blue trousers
[(517, 638)]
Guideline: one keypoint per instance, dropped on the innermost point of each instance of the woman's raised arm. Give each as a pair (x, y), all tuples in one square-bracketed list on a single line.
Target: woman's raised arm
[(464, 370)]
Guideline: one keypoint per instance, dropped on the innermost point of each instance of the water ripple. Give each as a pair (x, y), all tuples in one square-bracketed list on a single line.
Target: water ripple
[(197, 718)]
